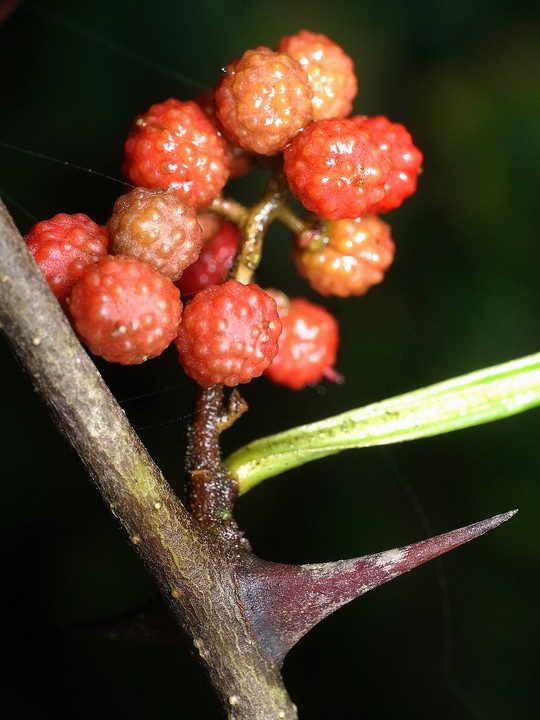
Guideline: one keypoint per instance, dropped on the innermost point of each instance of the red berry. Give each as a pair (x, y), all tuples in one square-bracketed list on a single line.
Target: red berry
[(124, 310), (175, 144), (64, 246), (330, 72), (156, 227), (307, 344), (229, 334), (397, 146), (336, 169), (263, 100), (215, 260), (347, 257)]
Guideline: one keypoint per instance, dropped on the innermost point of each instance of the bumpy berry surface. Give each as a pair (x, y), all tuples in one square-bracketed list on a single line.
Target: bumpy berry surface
[(336, 169), (215, 260), (124, 310), (330, 72), (406, 159), (349, 257), (175, 144), (157, 227), (239, 160), (307, 344), (64, 246), (263, 100), (229, 334)]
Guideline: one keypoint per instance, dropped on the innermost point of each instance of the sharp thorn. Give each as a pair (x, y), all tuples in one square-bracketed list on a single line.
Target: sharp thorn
[(283, 602)]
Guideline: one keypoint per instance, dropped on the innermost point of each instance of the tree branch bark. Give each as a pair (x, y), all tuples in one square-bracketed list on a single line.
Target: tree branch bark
[(194, 570)]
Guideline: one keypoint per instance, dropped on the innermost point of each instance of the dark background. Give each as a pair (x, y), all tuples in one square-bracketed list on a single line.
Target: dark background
[(454, 640)]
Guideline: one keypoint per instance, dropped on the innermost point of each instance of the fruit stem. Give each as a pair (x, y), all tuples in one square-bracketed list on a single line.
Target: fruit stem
[(211, 490), (253, 231), (291, 220), (230, 209)]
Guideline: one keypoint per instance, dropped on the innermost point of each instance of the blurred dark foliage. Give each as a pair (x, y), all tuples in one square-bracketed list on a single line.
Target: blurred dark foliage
[(455, 640)]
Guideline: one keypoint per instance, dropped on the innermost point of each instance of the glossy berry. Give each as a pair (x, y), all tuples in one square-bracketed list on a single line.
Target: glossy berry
[(336, 169), (330, 72), (124, 310), (397, 146), (157, 227), (263, 100), (64, 246), (347, 257), (215, 260), (175, 144), (229, 334), (307, 344)]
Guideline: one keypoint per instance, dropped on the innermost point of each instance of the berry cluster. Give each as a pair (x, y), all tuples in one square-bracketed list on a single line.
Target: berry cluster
[(166, 266)]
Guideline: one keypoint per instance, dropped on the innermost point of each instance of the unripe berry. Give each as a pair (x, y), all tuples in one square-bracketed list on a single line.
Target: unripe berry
[(346, 257), (336, 169), (330, 72), (64, 246), (156, 227), (229, 334), (216, 258), (263, 100), (174, 144), (124, 310), (405, 158), (307, 344)]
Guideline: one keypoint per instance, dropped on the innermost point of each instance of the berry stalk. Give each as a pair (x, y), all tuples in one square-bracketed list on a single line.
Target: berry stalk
[(257, 222), (211, 490)]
